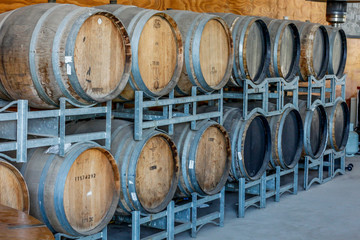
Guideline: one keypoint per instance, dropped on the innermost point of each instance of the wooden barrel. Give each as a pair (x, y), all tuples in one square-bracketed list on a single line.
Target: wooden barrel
[(60, 50), (287, 135), (157, 50), (314, 54), (250, 143), (285, 48), (17, 225), (337, 51), (315, 129), (76, 194), (252, 48), (208, 51), (13, 189), (338, 125), (149, 169), (205, 158)]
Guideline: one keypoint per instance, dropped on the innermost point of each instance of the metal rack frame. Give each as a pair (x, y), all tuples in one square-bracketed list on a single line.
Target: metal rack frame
[(101, 235), (144, 118), (16, 126), (186, 215)]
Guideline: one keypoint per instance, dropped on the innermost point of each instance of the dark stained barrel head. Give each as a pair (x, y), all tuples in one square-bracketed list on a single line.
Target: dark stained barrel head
[(292, 139), (257, 147), (318, 131)]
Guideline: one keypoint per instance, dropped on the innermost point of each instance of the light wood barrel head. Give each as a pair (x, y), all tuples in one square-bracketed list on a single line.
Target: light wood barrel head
[(318, 51), (154, 172), (287, 45), (13, 189), (89, 189), (254, 50), (214, 52), (100, 57), (157, 53), (337, 53), (211, 158), (17, 225)]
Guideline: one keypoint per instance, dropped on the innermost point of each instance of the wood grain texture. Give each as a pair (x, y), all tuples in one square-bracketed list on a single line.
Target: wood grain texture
[(17, 225), (352, 68)]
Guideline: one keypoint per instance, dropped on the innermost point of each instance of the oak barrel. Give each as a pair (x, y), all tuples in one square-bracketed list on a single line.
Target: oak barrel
[(149, 169), (315, 128), (314, 54), (338, 124), (250, 143), (285, 48), (50, 51), (76, 194), (252, 48), (13, 189), (338, 51), (205, 158), (208, 51), (287, 135), (157, 50)]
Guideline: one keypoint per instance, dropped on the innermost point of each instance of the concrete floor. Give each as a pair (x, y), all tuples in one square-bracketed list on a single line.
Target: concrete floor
[(330, 211)]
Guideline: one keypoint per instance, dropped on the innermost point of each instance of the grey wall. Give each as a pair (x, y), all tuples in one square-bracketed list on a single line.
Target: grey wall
[(352, 25)]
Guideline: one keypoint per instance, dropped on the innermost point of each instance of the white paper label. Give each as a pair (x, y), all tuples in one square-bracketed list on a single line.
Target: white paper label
[(68, 69), (99, 21), (131, 182), (68, 59), (239, 156), (191, 164), (133, 195)]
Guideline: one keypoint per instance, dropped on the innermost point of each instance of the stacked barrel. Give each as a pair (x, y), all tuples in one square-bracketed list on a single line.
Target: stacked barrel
[(95, 55)]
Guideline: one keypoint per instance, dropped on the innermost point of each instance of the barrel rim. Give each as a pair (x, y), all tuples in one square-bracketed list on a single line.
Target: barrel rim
[(21, 179), (340, 73), (317, 105), (331, 119), (240, 144), (280, 159)]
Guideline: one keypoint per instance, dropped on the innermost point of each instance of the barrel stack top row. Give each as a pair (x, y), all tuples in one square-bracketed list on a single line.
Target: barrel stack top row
[(90, 55)]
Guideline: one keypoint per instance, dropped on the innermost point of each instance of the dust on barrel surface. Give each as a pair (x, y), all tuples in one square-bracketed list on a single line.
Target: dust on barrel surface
[(315, 128), (285, 48), (252, 48), (149, 168), (338, 51), (250, 143), (338, 125), (156, 48), (314, 54), (76, 194), (13, 189), (205, 158), (61, 50), (287, 137), (208, 51)]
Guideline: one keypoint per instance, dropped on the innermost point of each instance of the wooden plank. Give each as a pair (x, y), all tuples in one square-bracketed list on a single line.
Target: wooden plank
[(352, 67)]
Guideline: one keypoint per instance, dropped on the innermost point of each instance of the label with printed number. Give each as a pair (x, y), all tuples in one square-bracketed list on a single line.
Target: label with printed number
[(133, 196), (191, 164)]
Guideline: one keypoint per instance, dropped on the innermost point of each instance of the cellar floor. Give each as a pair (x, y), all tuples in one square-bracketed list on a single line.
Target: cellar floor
[(330, 211)]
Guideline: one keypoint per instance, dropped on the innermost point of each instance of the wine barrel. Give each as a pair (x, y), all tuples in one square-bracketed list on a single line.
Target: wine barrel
[(287, 135), (205, 158), (338, 125), (337, 51), (13, 189), (285, 48), (314, 54), (149, 169), (76, 194), (208, 50), (252, 48), (250, 143), (61, 50), (157, 50), (315, 129)]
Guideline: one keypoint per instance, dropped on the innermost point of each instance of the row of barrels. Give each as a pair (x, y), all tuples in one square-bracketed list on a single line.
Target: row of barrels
[(79, 193), (93, 55)]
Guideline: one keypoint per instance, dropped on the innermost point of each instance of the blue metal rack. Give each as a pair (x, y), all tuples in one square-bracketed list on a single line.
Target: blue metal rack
[(144, 118), (177, 219), (49, 125), (101, 235)]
